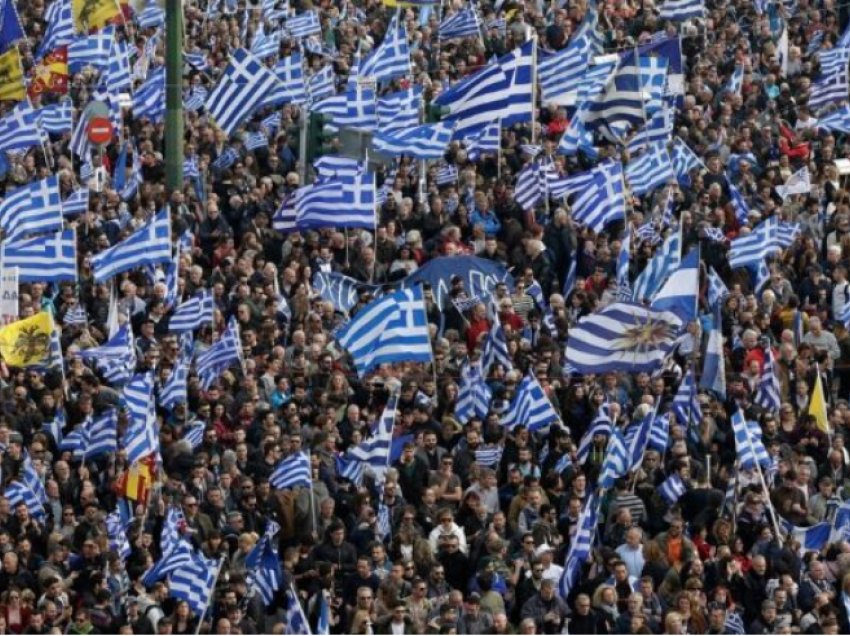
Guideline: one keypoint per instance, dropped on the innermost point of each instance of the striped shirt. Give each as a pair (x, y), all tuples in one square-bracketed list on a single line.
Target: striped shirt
[(522, 305)]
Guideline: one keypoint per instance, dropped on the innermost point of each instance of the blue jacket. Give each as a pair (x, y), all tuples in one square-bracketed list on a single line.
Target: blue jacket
[(490, 221)]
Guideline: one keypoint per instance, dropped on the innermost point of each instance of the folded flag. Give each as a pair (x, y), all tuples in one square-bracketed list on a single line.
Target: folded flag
[(672, 489)]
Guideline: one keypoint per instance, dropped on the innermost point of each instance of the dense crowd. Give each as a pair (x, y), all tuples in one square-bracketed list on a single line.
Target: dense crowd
[(472, 549)]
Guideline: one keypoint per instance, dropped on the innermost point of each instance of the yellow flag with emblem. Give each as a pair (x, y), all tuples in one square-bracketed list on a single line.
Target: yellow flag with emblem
[(94, 14), (12, 85), (26, 342), (817, 406)]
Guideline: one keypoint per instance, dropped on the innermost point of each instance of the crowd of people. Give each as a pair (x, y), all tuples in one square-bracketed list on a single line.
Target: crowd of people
[(471, 548)]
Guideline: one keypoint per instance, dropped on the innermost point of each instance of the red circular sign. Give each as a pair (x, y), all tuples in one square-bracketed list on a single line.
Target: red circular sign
[(100, 131)]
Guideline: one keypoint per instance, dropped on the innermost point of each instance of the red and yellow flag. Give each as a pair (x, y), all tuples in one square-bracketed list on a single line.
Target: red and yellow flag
[(136, 482), (50, 75)]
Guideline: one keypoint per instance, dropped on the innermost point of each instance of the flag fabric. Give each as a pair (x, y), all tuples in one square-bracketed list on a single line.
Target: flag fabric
[(714, 367), (837, 120), (32, 480), (393, 328), (172, 530), (116, 358), (118, 69), (323, 627), (179, 556), (601, 425), (717, 289), (391, 58), (293, 471), (489, 455), (97, 436), (90, 50), (742, 209), (681, 10), (653, 169), (76, 315), (149, 98), (33, 208), (495, 349), (50, 74), (141, 437), (422, 142), (321, 84), (21, 128), (304, 25), (686, 406), (798, 183), (150, 17), (353, 109), (582, 544), (94, 14), (26, 342), (194, 582), (616, 462), (486, 141), (51, 258), (811, 539), (685, 160), (753, 248), (659, 435), (603, 200), (60, 27), (736, 81), (622, 337), (559, 73), (475, 102), (174, 390), (518, 67), (817, 405), (531, 186), (768, 392), (577, 138), (787, 233), (12, 84), (263, 565), (215, 360), (339, 290), (679, 295), (658, 130), (399, 112), (447, 174), (229, 103), (56, 119), (530, 407), (672, 489), (461, 24), (337, 202), (290, 73), (192, 314), (636, 438), (831, 88), (149, 245), (620, 105), (473, 398), (226, 159), (17, 492), (118, 541), (265, 44), (748, 443), (374, 451), (293, 617)]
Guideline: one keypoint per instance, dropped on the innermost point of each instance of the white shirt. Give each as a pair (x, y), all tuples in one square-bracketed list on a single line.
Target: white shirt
[(553, 572)]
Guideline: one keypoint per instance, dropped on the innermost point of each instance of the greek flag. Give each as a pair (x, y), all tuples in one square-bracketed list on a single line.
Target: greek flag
[(475, 102), (92, 50), (17, 492), (55, 427), (336, 167), (473, 399), (651, 170), (21, 128), (374, 452), (622, 337), (284, 217), (637, 438), (215, 360), (616, 462), (582, 544), (679, 294), (175, 558), (56, 119), (292, 86), (255, 141), (601, 425), (352, 470), (577, 138), (657, 130), (118, 541), (194, 434), (263, 565), (659, 435), (76, 315), (32, 480), (192, 314), (787, 233), (94, 437), (518, 67), (142, 435), (736, 81), (429, 141), (337, 202), (667, 259), (624, 289), (304, 25), (753, 248), (742, 210), (118, 70), (672, 489), (321, 85), (834, 60), (225, 159), (393, 328), (172, 530), (230, 103), (150, 17), (447, 174), (748, 443), (686, 406), (837, 121), (768, 391), (685, 160), (149, 245), (399, 112), (462, 24), (811, 539), (714, 367), (830, 88), (293, 471), (602, 200), (339, 290), (559, 73), (486, 141), (60, 27), (265, 44), (32, 209), (489, 455), (681, 10), (77, 203), (149, 98), (174, 390), (354, 109), (530, 407), (392, 57), (717, 290), (194, 582), (620, 105), (294, 618), (531, 186), (116, 358), (495, 350), (598, 76), (798, 183), (51, 258)]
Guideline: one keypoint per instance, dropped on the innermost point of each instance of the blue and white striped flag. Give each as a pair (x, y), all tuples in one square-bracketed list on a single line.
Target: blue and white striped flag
[(118, 541), (353, 109), (686, 406), (57, 119), (393, 328), (194, 582), (32, 480), (76, 316), (667, 259), (374, 452), (293, 85), (350, 469), (193, 314), (530, 407), (294, 618), (218, 358), (837, 120), (672, 489), (679, 295), (624, 287), (17, 492), (681, 10), (685, 160), (51, 258), (32, 209), (150, 17), (399, 112), (91, 50), (832, 87), (531, 186), (582, 545), (265, 575), (622, 337), (116, 358), (748, 443), (561, 72), (658, 130), (77, 203), (659, 435), (653, 169), (304, 25), (293, 471), (265, 44), (495, 349), (149, 98), (321, 84), (798, 183), (477, 101), (616, 462), (736, 81), (811, 539), (229, 103), (118, 71), (717, 289), (174, 390), (768, 392), (337, 202), (226, 159), (462, 24), (194, 434), (141, 437), (255, 141), (60, 27), (473, 398), (787, 233), (487, 141), (149, 245), (95, 436), (620, 105), (753, 248), (21, 128), (714, 366), (489, 456), (447, 174), (390, 59), (602, 199), (601, 425), (429, 141)]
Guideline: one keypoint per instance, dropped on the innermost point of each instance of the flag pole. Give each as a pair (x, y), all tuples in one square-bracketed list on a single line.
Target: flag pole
[(533, 91), (774, 516), (313, 514), (212, 596)]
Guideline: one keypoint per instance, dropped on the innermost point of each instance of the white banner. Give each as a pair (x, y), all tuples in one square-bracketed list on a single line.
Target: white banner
[(8, 295)]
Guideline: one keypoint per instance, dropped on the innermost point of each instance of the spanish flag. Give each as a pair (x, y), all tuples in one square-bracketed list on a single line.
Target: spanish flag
[(26, 342), (94, 14), (12, 86), (817, 405), (136, 482), (50, 75)]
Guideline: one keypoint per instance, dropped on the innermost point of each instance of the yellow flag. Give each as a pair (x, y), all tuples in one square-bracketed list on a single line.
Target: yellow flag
[(26, 342), (94, 14), (817, 406), (12, 86)]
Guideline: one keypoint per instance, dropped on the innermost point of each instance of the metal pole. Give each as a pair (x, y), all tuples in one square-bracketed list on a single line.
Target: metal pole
[(174, 95), (303, 123)]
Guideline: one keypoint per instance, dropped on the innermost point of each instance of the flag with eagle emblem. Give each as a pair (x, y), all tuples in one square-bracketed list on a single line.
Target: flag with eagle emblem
[(12, 85), (25, 343), (50, 75), (94, 14), (623, 337)]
